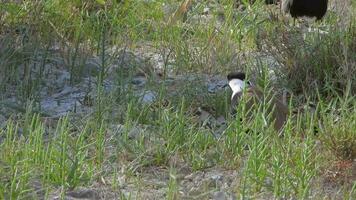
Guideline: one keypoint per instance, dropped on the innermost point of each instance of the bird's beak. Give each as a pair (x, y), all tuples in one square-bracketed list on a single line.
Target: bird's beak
[(226, 85)]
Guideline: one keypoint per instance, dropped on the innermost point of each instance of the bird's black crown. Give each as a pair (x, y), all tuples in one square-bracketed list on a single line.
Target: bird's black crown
[(236, 75)]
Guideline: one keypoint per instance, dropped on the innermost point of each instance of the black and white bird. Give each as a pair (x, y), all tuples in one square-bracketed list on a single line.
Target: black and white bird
[(240, 87), (307, 8)]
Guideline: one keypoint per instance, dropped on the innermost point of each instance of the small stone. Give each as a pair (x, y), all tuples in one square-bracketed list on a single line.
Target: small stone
[(139, 80), (148, 97), (83, 194), (92, 67), (219, 196), (206, 11), (127, 59), (216, 86), (204, 116), (220, 131), (216, 177), (2, 121), (268, 182), (221, 120), (134, 133)]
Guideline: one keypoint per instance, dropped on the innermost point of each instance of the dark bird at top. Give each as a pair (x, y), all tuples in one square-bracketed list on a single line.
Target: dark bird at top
[(308, 8), (271, 1)]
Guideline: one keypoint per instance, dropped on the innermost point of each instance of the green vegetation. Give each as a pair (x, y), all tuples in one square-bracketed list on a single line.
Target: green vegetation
[(121, 147)]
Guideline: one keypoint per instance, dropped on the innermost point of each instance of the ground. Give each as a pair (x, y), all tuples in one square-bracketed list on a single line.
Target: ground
[(138, 108)]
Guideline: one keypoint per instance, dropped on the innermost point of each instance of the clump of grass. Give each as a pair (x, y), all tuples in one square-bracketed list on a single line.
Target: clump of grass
[(173, 192), (312, 60), (338, 127), (62, 160)]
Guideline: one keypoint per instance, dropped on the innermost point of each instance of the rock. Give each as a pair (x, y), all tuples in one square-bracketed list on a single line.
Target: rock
[(216, 177), (139, 80), (2, 121), (159, 65), (206, 11), (68, 99), (269, 182), (135, 132), (148, 97), (221, 121), (204, 117), (216, 85), (92, 67), (63, 78), (38, 190), (215, 180), (83, 193), (127, 59), (219, 196), (220, 131)]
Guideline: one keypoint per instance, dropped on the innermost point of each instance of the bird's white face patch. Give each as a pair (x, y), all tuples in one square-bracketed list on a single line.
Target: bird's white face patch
[(236, 86)]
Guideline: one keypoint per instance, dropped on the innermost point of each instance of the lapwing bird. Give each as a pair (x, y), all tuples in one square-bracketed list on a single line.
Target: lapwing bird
[(241, 87), (305, 8)]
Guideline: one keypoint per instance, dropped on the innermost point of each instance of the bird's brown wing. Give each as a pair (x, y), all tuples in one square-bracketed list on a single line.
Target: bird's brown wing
[(253, 98)]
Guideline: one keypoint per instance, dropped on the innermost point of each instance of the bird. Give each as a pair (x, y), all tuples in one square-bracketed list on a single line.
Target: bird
[(308, 8), (240, 87), (271, 1)]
